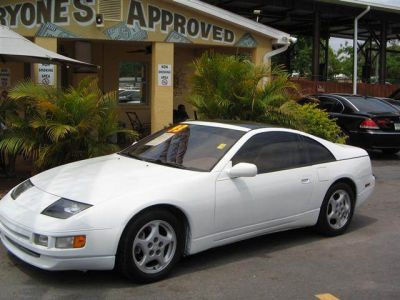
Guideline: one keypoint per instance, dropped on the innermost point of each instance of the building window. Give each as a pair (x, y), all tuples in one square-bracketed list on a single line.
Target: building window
[(132, 87)]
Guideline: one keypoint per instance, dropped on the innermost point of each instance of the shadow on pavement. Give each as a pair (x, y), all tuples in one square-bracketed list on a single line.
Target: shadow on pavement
[(260, 246), (256, 247), (378, 155)]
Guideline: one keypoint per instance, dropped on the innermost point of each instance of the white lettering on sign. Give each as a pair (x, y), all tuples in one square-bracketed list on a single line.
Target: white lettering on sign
[(5, 78), (45, 74), (164, 75)]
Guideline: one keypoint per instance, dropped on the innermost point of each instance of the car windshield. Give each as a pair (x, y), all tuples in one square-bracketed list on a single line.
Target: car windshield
[(372, 105), (186, 146)]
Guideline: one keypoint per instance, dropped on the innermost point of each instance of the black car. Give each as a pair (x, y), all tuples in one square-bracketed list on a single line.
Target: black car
[(394, 102), (370, 123), (395, 95)]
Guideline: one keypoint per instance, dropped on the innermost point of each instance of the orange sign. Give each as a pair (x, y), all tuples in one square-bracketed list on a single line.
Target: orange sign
[(177, 128)]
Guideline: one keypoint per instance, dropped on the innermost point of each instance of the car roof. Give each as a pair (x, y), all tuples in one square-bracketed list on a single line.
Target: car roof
[(232, 124), (345, 95)]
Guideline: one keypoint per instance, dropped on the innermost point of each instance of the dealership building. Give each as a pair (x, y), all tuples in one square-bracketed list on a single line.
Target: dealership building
[(144, 49)]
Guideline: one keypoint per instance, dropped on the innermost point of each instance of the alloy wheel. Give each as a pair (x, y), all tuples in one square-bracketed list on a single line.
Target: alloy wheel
[(339, 209), (154, 246)]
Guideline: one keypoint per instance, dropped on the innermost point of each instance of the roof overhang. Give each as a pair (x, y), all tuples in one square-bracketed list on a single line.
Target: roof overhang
[(279, 37), (375, 4), (14, 47)]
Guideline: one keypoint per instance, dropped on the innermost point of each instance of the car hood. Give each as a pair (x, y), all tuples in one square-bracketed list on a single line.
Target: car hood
[(96, 180)]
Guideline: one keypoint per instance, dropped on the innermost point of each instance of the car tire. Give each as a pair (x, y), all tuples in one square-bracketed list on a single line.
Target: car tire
[(337, 210), (152, 243), (390, 151)]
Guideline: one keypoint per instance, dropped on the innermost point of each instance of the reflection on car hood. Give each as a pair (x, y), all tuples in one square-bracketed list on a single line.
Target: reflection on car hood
[(99, 179)]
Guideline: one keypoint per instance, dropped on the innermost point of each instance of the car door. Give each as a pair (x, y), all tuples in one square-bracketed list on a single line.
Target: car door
[(276, 195)]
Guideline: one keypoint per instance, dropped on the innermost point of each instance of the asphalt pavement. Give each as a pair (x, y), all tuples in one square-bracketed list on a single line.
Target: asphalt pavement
[(362, 264)]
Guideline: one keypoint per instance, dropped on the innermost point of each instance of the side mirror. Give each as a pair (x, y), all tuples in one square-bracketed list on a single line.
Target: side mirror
[(242, 170)]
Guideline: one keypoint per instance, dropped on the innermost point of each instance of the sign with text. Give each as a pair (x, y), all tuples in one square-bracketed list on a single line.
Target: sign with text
[(45, 74), (140, 20), (164, 75)]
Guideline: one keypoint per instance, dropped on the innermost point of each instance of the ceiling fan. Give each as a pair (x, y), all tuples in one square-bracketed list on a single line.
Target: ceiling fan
[(146, 50)]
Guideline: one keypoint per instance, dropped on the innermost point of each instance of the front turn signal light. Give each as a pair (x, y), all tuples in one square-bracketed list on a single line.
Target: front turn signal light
[(79, 241), (71, 242)]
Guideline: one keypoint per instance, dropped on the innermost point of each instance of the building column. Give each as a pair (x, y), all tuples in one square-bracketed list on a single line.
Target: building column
[(382, 53), (316, 46), (162, 93), (326, 63), (49, 44)]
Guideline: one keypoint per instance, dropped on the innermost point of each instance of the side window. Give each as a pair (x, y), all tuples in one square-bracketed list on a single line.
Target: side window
[(330, 105), (317, 153), (325, 103), (271, 151), (347, 110)]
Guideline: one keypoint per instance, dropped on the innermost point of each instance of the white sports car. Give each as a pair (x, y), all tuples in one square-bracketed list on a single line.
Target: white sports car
[(180, 191)]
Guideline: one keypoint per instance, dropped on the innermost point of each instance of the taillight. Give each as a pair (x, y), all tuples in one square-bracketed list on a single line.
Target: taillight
[(369, 124), (384, 122)]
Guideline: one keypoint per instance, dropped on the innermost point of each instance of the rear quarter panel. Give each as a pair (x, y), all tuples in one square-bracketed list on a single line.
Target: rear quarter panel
[(358, 170)]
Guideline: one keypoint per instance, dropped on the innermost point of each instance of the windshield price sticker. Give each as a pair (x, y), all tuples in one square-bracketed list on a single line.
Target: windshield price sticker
[(221, 146), (177, 128)]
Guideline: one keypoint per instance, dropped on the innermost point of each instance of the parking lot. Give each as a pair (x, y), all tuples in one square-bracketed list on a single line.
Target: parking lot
[(362, 264)]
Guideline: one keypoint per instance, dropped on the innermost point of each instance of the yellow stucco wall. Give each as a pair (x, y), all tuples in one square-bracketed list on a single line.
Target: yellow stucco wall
[(162, 97)]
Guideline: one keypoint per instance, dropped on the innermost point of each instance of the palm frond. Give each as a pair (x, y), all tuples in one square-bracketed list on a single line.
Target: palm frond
[(55, 126)]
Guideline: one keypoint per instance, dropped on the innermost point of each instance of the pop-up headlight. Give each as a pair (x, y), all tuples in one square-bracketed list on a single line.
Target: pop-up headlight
[(23, 187), (64, 208)]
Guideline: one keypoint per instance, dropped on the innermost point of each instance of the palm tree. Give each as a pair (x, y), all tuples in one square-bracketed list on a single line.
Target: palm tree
[(7, 110), (228, 87), (54, 127)]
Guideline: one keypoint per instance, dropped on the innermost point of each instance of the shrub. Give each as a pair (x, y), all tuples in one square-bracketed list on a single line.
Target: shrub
[(310, 119), (229, 87)]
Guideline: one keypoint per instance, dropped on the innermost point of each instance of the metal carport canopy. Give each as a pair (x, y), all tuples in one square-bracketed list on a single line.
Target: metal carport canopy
[(337, 16)]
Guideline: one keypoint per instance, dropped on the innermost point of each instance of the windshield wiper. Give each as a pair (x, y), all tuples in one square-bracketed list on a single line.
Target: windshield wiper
[(155, 161), (128, 154), (175, 165), (166, 163)]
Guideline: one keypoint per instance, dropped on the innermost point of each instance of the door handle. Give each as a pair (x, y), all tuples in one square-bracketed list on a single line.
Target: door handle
[(306, 180)]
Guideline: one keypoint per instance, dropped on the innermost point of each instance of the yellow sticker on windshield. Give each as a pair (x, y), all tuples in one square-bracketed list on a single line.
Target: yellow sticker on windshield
[(177, 128), (221, 146)]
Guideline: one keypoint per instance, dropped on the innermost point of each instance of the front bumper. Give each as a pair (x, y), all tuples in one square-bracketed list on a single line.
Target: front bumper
[(375, 139), (18, 238)]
